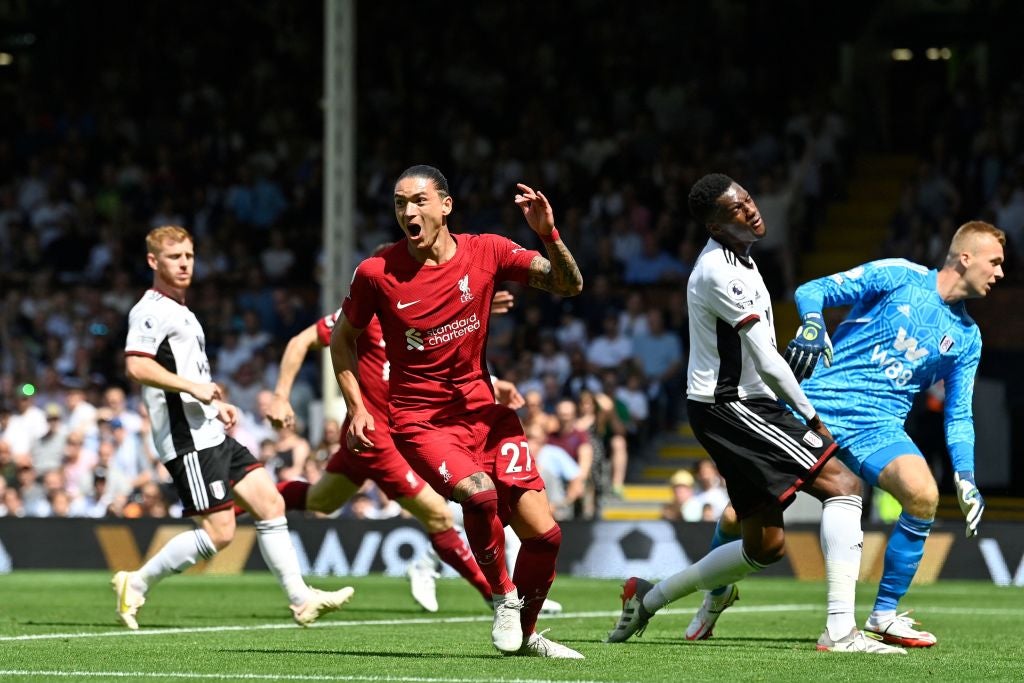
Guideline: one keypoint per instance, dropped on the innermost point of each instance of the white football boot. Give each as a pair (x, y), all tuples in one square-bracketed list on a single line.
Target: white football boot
[(422, 583), (899, 630), (507, 631), (857, 641), (320, 603), (129, 600), (539, 646), (703, 622)]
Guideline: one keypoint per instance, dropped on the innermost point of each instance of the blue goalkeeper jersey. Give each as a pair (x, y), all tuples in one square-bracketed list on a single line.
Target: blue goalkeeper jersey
[(899, 338)]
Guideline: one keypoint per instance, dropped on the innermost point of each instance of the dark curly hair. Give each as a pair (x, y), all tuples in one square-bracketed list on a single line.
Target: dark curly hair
[(429, 172), (704, 193)]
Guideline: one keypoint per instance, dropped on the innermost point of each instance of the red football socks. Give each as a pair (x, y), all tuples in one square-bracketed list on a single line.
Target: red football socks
[(487, 539), (535, 572)]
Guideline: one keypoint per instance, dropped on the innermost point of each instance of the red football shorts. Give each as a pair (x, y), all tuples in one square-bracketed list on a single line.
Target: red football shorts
[(488, 440), (382, 463)]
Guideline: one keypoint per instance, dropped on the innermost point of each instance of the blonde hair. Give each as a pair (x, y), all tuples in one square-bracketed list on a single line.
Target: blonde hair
[(963, 239), (172, 233)]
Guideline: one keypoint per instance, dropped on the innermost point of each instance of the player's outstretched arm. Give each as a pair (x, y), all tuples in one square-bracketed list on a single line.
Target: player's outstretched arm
[(558, 273), (777, 374), (345, 362), (147, 371), (281, 412)]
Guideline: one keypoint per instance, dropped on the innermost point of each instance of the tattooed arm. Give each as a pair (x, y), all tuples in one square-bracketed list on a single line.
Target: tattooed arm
[(558, 273)]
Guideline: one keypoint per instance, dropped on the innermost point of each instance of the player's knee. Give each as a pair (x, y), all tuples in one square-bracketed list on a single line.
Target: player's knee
[(471, 486), (846, 483), (482, 501), (922, 501), (548, 542), (221, 535), (269, 506)]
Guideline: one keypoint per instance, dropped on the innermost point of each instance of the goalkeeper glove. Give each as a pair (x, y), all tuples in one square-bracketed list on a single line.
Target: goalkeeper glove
[(971, 502), (810, 344)]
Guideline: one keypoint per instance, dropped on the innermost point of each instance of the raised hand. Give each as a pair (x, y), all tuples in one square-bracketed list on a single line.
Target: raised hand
[(280, 413), (810, 344), (536, 209)]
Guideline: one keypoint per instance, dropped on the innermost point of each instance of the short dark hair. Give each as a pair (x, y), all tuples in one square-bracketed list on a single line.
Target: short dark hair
[(430, 172), (705, 193)]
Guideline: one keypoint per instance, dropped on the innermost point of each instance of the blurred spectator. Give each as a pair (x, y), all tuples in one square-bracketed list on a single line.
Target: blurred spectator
[(290, 453), (577, 444), (710, 487), (81, 413), (330, 440), (150, 502), (95, 501), (654, 265), (253, 336), (633, 396), (59, 503), (278, 258), (12, 505), (231, 354), (535, 413), (658, 353), (48, 450), (684, 507), (115, 400), (560, 472), (633, 319), (600, 421), (550, 360), (78, 463), (610, 349), (580, 376), (26, 424)]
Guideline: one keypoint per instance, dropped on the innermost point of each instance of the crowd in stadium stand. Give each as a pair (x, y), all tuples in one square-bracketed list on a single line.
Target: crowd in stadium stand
[(234, 154)]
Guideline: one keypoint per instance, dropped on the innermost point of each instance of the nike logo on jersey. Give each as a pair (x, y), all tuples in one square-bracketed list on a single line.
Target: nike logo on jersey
[(401, 305)]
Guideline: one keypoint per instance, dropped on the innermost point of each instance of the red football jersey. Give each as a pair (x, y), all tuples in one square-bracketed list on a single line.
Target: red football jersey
[(435, 321), (373, 363)]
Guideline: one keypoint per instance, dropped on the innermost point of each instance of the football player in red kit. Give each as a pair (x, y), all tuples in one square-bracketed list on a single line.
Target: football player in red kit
[(431, 293)]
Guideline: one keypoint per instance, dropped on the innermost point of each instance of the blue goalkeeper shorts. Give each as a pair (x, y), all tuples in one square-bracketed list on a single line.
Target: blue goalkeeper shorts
[(868, 460)]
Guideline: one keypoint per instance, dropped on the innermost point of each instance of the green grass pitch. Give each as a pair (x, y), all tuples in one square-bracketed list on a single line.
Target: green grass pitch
[(61, 626)]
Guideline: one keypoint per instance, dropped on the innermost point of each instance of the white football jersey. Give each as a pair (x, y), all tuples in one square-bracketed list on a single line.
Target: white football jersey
[(168, 332), (724, 293)]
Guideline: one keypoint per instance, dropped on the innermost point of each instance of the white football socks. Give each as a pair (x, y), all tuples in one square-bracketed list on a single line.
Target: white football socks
[(724, 565), (177, 555), (278, 552), (842, 543)]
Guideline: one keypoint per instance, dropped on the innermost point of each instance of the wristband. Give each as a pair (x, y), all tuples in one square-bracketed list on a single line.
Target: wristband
[(552, 237)]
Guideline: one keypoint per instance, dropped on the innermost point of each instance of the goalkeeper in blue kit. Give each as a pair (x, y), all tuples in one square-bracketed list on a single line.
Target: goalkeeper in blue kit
[(908, 328)]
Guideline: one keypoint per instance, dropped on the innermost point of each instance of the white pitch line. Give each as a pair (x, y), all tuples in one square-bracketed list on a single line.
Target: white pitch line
[(191, 675), (281, 625)]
